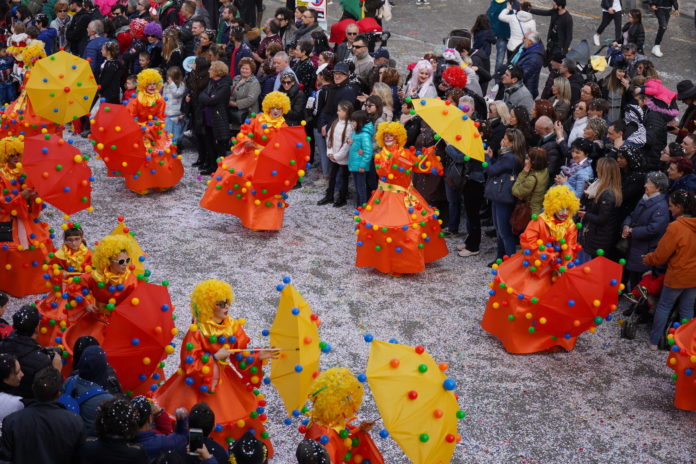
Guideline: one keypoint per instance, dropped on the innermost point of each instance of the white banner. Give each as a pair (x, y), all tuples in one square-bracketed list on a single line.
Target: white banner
[(320, 7)]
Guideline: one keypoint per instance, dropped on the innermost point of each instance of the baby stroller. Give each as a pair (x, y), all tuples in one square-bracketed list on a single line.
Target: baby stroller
[(588, 64)]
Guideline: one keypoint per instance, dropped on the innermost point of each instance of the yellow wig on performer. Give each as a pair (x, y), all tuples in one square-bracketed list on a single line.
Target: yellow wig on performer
[(147, 77), (276, 100), (10, 146), (394, 128), (560, 197), (108, 248), (336, 396), (204, 297)]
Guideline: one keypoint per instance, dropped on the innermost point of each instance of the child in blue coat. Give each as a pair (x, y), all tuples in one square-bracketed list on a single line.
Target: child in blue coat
[(360, 153)]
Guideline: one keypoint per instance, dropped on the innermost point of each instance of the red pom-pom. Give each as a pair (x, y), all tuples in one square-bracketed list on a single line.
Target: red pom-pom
[(455, 77)]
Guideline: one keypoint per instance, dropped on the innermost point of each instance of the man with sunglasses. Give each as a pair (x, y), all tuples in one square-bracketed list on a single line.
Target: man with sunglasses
[(343, 51), (364, 63), (309, 25)]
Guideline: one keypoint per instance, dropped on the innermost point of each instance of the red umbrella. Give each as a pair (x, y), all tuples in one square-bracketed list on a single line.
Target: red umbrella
[(279, 162), (138, 334), (59, 172), (19, 118), (366, 25), (580, 299), (118, 139), (338, 31)]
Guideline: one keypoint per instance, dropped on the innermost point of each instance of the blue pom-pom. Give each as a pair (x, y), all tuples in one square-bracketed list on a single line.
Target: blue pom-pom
[(449, 384), (384, 433), (368, 338), (362, 378)]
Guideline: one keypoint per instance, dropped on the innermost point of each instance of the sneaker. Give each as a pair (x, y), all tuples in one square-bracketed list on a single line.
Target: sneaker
[(325, 201), (466, 253), (630, 297), (643, 291), (656, 51), (652, 347), (595, 38), (461, 247)]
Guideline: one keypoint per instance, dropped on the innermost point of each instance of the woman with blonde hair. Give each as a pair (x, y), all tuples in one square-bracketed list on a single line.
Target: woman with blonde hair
[(383, 91), (498, 120), (561, 97), (601, 220)]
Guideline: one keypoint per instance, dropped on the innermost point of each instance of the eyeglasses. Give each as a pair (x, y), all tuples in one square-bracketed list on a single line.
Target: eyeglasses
[(370, 105), (308, 17), (62, 11), (150, 35), (351, 33), (287, 82), (121, 262)]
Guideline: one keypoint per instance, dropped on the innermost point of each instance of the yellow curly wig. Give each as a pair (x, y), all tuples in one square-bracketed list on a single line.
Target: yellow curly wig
[(32, 53), (205, 295), (108, 248), (394, 128), (336, 395), (276, 100), (149, 76), (559, 197), (10, 146)]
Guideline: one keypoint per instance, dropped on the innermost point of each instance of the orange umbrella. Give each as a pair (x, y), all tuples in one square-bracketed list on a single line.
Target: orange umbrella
[(59, 172), (118, 139)]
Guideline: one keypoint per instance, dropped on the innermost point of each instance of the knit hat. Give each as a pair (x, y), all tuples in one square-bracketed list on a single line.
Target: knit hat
[(452, 55), (381, 53), (137, 28), (92, 365)]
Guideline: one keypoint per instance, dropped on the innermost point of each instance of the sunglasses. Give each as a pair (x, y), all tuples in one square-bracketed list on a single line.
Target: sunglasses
[(121, 261), (359, 46), (351, 33), (370, 105), (287, 82), (222, 304)]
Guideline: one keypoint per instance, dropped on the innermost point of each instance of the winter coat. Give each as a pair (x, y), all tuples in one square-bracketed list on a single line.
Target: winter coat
[(553, 154), (336, 141), (518, 94), (495, 134), (61, 28), (110, 81), (500, 29), (669, 4), (112, 450), (266, 83), (88, 409), (686, 182), (155, 443), (173, 95), (632, 190), (214, 100), (520, 23), (335, 95), (361, 141), (531, 61), (635, 33), (502, 165), (76, 32), (216, 451), (483, 40), (560, 33), (600, 224), (306, 75), (30, 357), (92, 53), (9, 403), (246, 94), (677, 249), (649, 221), (42, 432), (578, 181), (532, 187), (298, 103), (48, 37), (242, 52), (305, 32), (656, 135)]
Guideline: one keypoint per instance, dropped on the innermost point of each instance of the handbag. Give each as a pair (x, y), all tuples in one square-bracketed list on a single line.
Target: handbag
[(499, 189), (521, 214), (237, 117), (456, 176), (6, 231), (622, 246)]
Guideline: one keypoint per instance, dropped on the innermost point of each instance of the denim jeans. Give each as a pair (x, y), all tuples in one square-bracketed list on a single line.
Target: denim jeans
[(454, 201), (668, 297), (360, 179), (500, 53), (320, 145), (662, 15), (175, 126), (501, 220)]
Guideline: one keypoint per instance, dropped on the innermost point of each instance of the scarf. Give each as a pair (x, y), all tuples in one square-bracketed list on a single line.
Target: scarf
[(635, 114), (276, 123), (72, 258), (574, 167), (557, 228)]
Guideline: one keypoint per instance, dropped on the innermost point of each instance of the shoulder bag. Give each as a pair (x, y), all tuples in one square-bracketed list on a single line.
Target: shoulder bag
[(499, 189), (521, 214)]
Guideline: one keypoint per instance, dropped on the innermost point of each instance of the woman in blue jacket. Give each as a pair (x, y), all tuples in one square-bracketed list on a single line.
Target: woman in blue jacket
[(645, 225), (360, 153), (578, 173), (501, 173)]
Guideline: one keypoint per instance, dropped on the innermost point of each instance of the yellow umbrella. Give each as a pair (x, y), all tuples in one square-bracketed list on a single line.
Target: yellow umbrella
[(416, 401), (61, 87), (295, 334), (451, 124), (138, 257)]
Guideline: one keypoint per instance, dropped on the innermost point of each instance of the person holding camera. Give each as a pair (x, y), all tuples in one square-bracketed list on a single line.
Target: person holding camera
[(31, 356)]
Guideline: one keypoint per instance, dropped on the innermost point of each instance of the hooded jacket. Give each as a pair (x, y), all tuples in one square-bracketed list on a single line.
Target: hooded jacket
[(519, 23), (648, 221), (531, 62), (677, 249), (361, 141)]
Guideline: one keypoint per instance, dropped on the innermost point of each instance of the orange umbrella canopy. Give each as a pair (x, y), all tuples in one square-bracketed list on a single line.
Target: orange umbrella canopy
[(118, 139), (19, 118), (59, 172)]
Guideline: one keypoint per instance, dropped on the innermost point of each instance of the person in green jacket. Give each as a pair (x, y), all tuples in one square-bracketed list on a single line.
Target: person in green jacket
[(532, 181)]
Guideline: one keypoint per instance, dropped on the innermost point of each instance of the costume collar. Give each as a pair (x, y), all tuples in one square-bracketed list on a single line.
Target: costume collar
[(227, 328), (148, 99), (558, 229), (73, 258), (110, 278)]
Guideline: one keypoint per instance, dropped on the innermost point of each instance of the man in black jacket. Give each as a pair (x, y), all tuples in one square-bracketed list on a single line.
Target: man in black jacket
[(341, 90), (202, 417), (560, 33), (22, 343), (547, 140), (76, 33), (44, 431)]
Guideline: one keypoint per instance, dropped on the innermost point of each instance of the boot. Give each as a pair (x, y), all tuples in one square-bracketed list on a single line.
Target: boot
[(656, 51), (340, 203), (325, 201)]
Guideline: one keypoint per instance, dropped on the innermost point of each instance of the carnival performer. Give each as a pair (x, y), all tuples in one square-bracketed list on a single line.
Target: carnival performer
[(397, 231), (19, 118), (549, 247), (25, 240), (217, 368), (232, 190), (162, 168), (68, 262), (336, 397)]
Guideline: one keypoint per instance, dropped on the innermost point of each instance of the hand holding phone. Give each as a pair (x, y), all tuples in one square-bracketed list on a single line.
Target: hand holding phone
[(195, 441)]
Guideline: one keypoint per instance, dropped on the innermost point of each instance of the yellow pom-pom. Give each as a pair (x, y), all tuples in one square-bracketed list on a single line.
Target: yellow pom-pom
[(301, 173), (77, 158), (496, 305), (135, 301), (241, 423), (146, 361), (528, 315), (43, 330), (205, 370), (542, 320), (169, 349)]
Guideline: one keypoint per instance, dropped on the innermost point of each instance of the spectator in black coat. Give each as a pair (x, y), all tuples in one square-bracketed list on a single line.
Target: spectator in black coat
[(298, 99), (115, 426), (547, 140), (560, 33), (202, 417), (111, 74), (214, 101), (657, 118), (569, 70), (43, 432), (22, 343), (340, 90), (76, 33), (304, 69)]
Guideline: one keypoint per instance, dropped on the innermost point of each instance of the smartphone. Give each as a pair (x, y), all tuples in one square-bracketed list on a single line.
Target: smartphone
[(195, 441)]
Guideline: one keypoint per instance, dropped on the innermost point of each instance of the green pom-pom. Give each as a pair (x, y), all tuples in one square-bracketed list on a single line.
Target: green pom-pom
[(600, 252), (484, 164), (436, 137), (461, 414), (511, 317), (622, 262), (598, 320), (534, 217), (531, 330), (408, 99), (578, 225)]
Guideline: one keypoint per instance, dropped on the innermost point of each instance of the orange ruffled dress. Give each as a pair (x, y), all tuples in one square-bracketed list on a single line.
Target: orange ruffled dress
[(228, 387), (64, 265), (361, 448), (162, 168), (682, 358), (397, 231), (22, 260), (231, 190), (19, 118)]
